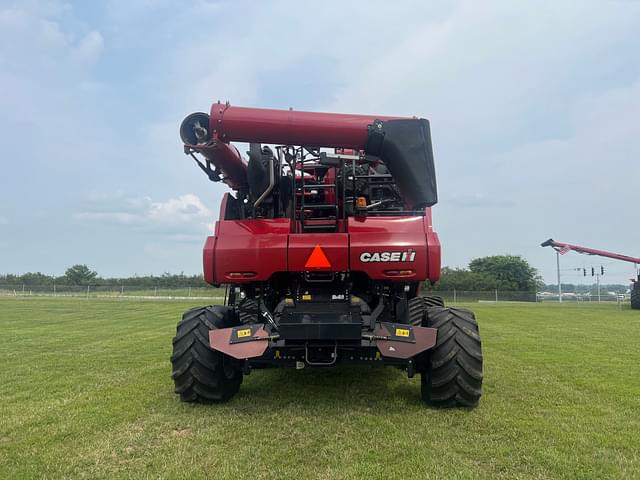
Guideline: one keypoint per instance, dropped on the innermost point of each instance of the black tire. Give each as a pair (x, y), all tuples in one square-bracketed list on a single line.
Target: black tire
[(200, 373), (248, 311), (433, 301), (635, 296), (417, 309), (452, 370)]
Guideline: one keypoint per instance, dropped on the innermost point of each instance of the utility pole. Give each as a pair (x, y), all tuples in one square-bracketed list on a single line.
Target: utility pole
[(559, 283), (598, 283)]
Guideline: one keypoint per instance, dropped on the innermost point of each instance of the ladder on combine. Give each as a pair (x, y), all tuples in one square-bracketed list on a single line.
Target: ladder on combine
[(327, 189), (319, 210), (316, 213)]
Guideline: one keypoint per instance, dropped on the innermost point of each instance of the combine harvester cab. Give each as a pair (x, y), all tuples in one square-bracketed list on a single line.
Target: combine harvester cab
[(322, 246)]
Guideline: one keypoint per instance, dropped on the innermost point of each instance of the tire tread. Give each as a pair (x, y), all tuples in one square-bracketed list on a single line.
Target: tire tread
[(452, 373), (198, 371)]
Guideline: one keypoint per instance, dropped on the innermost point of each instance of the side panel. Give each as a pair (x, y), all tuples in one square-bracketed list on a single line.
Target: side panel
[(208, 255), (389, 248), (334, 248), (433, 248), (250, 250)]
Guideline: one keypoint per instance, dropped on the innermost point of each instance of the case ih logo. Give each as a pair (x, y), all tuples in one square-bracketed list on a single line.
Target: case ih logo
[(370, 257)]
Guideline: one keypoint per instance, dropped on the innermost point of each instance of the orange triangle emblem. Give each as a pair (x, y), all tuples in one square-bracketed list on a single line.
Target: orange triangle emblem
[(317, 259)]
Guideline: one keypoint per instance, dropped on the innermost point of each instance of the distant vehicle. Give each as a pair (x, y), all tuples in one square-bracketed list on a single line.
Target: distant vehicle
[(563, 248)]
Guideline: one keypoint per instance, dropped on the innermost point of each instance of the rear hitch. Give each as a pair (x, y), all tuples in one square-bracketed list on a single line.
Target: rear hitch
[(333, 356)]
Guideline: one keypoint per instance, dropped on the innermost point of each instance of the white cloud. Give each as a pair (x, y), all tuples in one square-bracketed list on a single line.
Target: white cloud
[(181, 216), (32, 37), (88, 49)]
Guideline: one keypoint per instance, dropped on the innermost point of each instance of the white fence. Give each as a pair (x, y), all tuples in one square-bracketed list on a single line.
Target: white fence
[(452, 297), (112, 291), (464, 296)]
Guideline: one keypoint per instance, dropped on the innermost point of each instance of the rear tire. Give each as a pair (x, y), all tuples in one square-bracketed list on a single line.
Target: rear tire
[(417, 309), (200, 373), (635, 296), (433, 301), (452, 370)]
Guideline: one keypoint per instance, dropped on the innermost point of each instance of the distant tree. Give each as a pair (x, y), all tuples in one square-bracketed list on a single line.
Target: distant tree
[(511, 272), (463, 279), (79, 275), (34, 278)]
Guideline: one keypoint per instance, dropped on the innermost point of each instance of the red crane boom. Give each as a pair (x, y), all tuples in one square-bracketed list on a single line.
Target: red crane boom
[(563, 248)]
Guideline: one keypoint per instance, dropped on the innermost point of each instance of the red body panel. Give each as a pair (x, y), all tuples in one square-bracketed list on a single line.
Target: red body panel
[(394, 248), (397, 235), (257, 246), (434, 250), (290, 127), (334, 245), (208, 260)]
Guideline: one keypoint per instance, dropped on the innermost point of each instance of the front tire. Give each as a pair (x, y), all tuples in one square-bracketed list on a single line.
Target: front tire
[(452, 371), (417, 309), (200, 373), (433, 301)]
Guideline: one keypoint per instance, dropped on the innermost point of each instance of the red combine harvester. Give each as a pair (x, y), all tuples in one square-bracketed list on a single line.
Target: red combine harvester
[(563, 248), (322, 247)]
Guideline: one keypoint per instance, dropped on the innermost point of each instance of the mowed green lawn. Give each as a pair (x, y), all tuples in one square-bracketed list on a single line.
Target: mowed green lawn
[(86, 392)]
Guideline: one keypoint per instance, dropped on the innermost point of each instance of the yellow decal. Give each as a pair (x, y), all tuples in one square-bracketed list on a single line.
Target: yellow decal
[(402, 332), (306, 297), (244, 333)]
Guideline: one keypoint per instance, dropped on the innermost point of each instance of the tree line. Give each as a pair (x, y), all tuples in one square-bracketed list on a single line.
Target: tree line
[(502, 272), (83, 275)]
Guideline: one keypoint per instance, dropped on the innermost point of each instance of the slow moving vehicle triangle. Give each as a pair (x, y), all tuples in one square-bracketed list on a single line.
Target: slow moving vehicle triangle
[(317, 259)]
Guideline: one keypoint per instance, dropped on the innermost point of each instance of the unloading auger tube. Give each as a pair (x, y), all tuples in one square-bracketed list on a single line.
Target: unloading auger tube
[(403, 144), (322, 247)]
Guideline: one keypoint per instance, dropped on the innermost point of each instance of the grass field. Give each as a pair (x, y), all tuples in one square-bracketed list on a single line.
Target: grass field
[(86, 392)]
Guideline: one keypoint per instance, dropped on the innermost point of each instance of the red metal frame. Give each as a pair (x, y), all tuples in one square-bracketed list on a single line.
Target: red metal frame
[(227, 158), (565, 247)]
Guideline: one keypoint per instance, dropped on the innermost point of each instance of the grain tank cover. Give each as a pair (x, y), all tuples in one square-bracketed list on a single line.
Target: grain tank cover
[(404, 145)]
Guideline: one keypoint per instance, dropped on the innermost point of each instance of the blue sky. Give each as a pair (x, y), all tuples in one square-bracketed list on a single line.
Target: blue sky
[(534, 109)]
